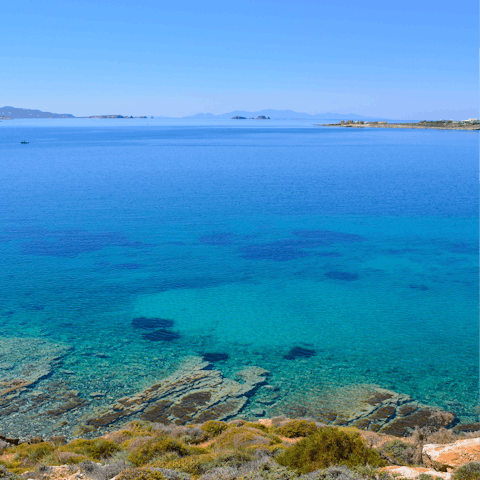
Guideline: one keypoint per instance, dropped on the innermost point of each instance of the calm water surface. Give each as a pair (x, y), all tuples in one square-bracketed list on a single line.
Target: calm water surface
[(254, 240)]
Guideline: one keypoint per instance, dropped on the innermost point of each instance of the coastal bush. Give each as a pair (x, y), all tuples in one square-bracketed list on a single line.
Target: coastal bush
[(136, 442), (401, 452), (120, 436), (30, 455), (70, 458), (243, 437), (170, 474), (230, 459), (279, 421), (102, 472), (6, 475), (265, 469), (221, 473), (98, 448), (194, 465), (140, 474), (200, 464), (187, 434), (194, 435), (140, 426), (340, 472), (327, 447), (442, 436), (214, 428), (237, 423), (258, 426), (155, 447), (297, 428), (470, 471)]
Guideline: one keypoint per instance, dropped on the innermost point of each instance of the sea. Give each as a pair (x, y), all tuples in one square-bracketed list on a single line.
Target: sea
[(331, 257)]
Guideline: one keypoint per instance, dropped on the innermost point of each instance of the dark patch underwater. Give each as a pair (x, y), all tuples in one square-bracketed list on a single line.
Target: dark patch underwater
[(215, 357), (161, 335), (146, 323), (345, 276), (299, 352)]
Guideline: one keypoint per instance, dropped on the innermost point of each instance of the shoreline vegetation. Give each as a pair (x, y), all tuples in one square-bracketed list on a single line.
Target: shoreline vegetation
[(472, 124), (277, 448)]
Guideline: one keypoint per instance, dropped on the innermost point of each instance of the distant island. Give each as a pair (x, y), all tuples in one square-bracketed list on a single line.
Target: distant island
[(278, 114), (9, 113), (111, 116), (345, 120), (260, 117), (470, 124)]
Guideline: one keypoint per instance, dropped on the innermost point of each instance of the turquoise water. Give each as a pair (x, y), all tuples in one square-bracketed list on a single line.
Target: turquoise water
[(358, 249)]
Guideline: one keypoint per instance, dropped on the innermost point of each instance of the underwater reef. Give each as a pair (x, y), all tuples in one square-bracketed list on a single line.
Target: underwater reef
[(35, 400)]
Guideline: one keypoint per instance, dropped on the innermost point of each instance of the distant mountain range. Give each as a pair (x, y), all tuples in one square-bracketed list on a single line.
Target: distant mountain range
[(13, 112), (286, 114)]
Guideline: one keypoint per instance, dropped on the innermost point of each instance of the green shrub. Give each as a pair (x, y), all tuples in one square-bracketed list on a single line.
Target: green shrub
[(214, 428), (139, 474), (470, 471), (98, 449), (194, 465), (154, 448), (6, 475), (297, 428), (140, 426), (329, 446), (34, 453), (229, 459), (400, 451), (243, 437), (258, 426), (366, 472)]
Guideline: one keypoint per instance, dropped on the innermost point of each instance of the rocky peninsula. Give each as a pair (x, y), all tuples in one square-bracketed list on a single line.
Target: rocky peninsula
[(472, 124)]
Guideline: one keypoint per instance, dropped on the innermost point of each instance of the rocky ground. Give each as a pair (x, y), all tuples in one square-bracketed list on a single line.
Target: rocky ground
[(277, 448)]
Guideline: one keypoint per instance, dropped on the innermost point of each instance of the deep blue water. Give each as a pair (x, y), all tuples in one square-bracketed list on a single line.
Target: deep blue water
[(255, 241)]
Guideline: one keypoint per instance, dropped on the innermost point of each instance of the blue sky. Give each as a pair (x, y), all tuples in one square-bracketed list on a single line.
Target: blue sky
[(410, 59)]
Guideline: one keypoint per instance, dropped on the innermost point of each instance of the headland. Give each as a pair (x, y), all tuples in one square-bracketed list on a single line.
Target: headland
[(470, 124)]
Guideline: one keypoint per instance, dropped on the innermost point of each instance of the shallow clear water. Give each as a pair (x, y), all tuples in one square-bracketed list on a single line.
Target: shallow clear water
[(360, 246)]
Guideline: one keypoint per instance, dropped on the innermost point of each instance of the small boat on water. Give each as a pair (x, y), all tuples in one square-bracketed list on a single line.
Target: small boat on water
[(24, 142)]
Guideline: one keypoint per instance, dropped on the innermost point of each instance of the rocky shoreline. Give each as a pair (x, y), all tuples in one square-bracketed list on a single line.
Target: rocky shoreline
[(419, 125), (33, 400), (181, 409), (37, 399)]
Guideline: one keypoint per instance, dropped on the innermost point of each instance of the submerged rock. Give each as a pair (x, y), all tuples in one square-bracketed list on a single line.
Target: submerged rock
[(299, 352), (392, 413), (30, 359), (215, 357), (146, 323), (194, 393)]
